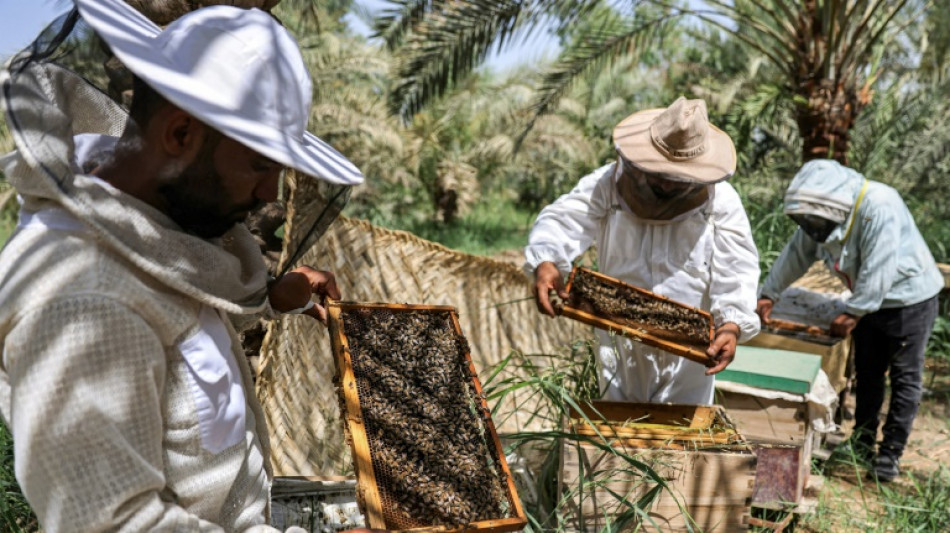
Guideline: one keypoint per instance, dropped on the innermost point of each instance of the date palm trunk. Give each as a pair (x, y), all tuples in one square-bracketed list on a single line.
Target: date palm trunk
[(825, 118)]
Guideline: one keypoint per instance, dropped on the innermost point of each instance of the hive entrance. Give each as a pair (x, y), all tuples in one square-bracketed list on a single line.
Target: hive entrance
[(432, 453)]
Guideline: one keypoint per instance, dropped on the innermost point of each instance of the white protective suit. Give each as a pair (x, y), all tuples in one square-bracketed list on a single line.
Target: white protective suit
[(125, 387), (705, 258)]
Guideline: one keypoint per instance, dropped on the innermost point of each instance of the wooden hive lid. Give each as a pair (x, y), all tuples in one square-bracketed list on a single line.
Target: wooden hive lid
[(768, 368)]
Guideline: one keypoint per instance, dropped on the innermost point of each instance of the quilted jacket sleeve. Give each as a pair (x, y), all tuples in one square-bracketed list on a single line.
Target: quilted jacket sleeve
[(568, 227), (735, 268)]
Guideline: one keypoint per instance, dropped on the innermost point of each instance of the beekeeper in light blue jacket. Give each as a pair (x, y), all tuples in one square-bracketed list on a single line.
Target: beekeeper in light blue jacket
[(863, 231)]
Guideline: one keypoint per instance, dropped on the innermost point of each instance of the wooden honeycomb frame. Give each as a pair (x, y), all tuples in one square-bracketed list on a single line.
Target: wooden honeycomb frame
[(676, 344), (658, 426), (801, 331), (368, 492)]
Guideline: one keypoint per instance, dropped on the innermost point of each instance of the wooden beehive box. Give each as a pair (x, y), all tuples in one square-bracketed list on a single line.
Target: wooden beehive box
[(763, 391), (694, 449), (426, 453), (800, 320), (610, 304), (316, 504)]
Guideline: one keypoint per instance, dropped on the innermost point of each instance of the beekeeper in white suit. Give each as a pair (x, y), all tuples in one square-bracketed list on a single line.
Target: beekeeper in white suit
[(664, 219), (123, 381)]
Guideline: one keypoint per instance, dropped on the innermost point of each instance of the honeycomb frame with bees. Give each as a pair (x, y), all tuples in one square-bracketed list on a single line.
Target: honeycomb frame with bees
[(425, 450), (612, 305)]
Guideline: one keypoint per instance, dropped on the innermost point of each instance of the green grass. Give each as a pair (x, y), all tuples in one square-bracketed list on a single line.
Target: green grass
[(551, 384), (6, 228), (917, 502), (494, 225), (15, 513)]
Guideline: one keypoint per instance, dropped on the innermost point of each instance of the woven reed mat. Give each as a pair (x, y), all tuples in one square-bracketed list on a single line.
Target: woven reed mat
[(819, 278), (372, 264)]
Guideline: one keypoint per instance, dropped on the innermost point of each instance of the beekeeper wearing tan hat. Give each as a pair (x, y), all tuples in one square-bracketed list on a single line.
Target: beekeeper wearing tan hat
[(661, 217), (124, 384)]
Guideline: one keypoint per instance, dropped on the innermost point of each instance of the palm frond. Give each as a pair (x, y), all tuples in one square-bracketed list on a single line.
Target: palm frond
[(444, 45), (748, 26), (447, 46), (763, 29), (762, 126), (593, 50), (394, 23), (868, 33)]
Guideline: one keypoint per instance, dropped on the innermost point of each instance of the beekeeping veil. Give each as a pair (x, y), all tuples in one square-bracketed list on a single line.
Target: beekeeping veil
[(668, 156), (824, 188), (67, 83), (820, 197)]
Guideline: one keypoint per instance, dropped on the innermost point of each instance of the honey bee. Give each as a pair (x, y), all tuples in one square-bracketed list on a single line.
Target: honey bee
[(423, 417)]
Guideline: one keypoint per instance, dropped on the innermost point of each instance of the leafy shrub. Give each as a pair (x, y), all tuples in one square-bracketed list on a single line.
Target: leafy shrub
[(15, 513)]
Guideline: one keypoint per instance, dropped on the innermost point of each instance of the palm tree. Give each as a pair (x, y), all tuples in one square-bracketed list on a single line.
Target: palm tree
[(165, 11), (826, 53)]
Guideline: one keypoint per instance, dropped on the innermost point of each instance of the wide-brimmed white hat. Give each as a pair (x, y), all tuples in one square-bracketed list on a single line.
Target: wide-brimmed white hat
[(235, 69), (678, 141)]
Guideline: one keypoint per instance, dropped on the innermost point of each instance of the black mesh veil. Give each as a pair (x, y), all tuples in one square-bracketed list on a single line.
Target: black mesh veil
[(47, 101), (67, 83)]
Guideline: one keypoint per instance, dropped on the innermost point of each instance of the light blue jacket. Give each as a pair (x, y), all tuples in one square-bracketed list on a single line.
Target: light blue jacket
[(884, 260)]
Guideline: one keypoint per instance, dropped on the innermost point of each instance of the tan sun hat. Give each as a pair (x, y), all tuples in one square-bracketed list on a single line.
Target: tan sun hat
[(678, 141)]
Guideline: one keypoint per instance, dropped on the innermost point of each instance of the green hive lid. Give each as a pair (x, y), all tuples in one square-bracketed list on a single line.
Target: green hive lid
[(768, 368)]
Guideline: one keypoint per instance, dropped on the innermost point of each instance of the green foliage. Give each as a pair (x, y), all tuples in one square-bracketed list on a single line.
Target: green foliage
[(771, 229), (591, 47), (920, 502), (444, 41), (493, 226), (15, 513), (938, 346), (923, 506), (307, 17), (437, 44), (552, 385)]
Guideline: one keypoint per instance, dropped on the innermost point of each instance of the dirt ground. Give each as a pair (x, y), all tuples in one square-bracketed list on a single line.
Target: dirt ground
[(849, 501), (929, 445)]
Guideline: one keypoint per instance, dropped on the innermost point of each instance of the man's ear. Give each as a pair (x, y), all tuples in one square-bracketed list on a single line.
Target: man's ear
[(182, 134)]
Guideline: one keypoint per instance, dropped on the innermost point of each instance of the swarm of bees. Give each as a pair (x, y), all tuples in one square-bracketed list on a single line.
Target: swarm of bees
[(626, 305), (431, 450)]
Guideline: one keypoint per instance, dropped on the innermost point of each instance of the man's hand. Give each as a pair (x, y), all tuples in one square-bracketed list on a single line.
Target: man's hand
[(722, 349), (547, 278), (764, 309), (295, 289), (842, 325)]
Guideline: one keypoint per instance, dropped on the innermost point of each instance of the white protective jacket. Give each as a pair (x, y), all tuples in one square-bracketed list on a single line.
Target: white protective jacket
[(127, 392), (705, 258)]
